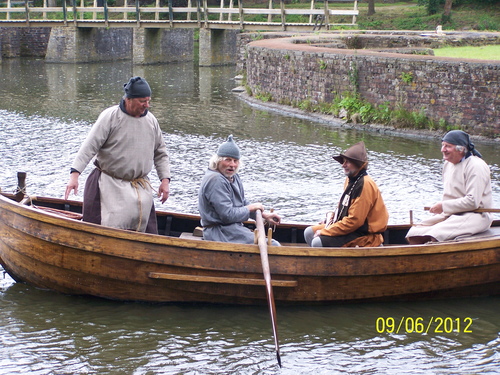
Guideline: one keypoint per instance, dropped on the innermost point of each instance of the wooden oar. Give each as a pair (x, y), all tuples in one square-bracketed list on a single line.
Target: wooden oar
[(477, 210), (261, 239)]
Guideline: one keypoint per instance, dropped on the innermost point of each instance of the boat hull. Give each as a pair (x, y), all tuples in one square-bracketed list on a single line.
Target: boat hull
[(66, 255)]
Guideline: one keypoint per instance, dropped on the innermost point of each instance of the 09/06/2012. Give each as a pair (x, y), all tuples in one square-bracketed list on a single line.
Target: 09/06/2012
[(421, 325)]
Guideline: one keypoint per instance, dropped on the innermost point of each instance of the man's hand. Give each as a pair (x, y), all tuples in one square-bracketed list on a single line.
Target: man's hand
[(256, 206), (72, 184), (272, 218), (164, 190), (436, 208)]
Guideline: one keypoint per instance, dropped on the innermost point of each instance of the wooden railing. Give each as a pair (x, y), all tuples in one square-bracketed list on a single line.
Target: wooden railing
[(196, 14)]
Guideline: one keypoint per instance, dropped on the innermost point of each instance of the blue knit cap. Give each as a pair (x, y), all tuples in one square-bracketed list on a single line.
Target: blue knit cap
[(137, 87), (229, 149), (461, 138)]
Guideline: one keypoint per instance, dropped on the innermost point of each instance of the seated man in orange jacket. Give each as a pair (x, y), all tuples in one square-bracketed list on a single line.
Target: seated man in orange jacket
[(361, 216)]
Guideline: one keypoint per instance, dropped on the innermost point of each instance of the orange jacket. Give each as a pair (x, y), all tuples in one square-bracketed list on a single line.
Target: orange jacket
[(366, 213)]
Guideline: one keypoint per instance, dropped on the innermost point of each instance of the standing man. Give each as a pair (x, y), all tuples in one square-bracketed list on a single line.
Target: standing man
[(467, 187), (361, 216), (221, 199), (126, 140)]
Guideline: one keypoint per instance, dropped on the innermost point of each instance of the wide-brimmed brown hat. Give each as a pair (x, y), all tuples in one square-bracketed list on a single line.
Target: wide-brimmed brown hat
[(356, 153)]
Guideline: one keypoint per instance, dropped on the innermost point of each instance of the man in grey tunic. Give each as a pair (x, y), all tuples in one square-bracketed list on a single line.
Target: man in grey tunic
[(467, 187), (126, 141), (221, 199)]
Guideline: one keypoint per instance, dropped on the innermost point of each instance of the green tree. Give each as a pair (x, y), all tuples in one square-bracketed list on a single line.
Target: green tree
[(431, 5)]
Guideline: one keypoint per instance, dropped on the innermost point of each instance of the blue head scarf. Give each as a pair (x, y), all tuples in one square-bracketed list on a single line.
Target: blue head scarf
[(461, 138)]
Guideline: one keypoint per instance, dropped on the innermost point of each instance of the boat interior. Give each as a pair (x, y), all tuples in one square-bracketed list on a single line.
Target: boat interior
[(187, 226)]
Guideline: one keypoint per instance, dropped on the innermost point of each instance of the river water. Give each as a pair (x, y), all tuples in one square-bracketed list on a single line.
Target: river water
[(46, 111)]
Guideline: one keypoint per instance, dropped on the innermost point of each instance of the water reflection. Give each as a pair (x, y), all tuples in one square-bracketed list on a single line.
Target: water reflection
[(45, 332)]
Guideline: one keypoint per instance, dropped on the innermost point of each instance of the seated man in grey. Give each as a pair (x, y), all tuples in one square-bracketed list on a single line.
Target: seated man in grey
[(221, 199)]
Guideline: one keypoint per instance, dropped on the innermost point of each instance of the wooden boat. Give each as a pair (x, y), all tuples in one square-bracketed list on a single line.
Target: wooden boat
[(46, 245)]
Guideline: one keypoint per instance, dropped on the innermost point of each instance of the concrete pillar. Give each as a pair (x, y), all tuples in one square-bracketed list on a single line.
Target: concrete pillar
[(218, 47), (62, 45), (156, 45), (138, 46), (69, 44)]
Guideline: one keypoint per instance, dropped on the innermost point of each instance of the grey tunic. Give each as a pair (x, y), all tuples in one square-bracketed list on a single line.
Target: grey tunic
[(222, 209), (126, 148), (467, 186)]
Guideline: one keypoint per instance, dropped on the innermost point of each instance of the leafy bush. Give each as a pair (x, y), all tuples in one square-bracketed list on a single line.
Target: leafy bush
[(352, 108)]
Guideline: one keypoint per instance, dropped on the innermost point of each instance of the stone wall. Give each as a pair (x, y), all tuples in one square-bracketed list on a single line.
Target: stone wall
[(390, 40), (24, 41), (70, 44), (465, 94), (156, 45), (218, 47), (244, 38)]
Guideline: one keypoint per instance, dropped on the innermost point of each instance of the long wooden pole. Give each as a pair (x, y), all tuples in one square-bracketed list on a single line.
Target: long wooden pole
[(477, 210), (261, 239)]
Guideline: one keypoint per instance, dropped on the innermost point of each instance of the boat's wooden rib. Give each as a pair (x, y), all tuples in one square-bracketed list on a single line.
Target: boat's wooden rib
[(220, 280), (47, 250)]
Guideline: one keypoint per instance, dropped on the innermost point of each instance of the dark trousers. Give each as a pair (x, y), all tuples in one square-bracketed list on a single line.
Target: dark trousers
[(92, 203)]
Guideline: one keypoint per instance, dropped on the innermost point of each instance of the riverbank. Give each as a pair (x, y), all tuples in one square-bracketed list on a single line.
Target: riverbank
[(389, 78), (336, 122)]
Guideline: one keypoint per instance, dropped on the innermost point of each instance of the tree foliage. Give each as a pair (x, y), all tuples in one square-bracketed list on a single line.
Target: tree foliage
[(435, 6)]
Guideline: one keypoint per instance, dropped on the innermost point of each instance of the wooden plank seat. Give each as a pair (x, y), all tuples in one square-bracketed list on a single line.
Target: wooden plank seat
[(190, 236)]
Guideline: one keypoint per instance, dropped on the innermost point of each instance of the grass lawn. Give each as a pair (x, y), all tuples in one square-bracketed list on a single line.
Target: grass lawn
[(481, 52)]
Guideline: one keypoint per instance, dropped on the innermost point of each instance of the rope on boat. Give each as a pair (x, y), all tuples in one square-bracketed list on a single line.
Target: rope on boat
[(20, 190), (136, 183)]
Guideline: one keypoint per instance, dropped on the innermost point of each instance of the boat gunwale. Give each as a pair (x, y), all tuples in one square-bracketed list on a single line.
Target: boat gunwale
[(203, 245)]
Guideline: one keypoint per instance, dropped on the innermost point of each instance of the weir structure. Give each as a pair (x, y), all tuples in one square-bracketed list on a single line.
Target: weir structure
[(89, 31)]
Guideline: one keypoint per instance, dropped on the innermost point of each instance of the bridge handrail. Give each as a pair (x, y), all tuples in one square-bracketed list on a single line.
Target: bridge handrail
[(129, 9), (201, 12)]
